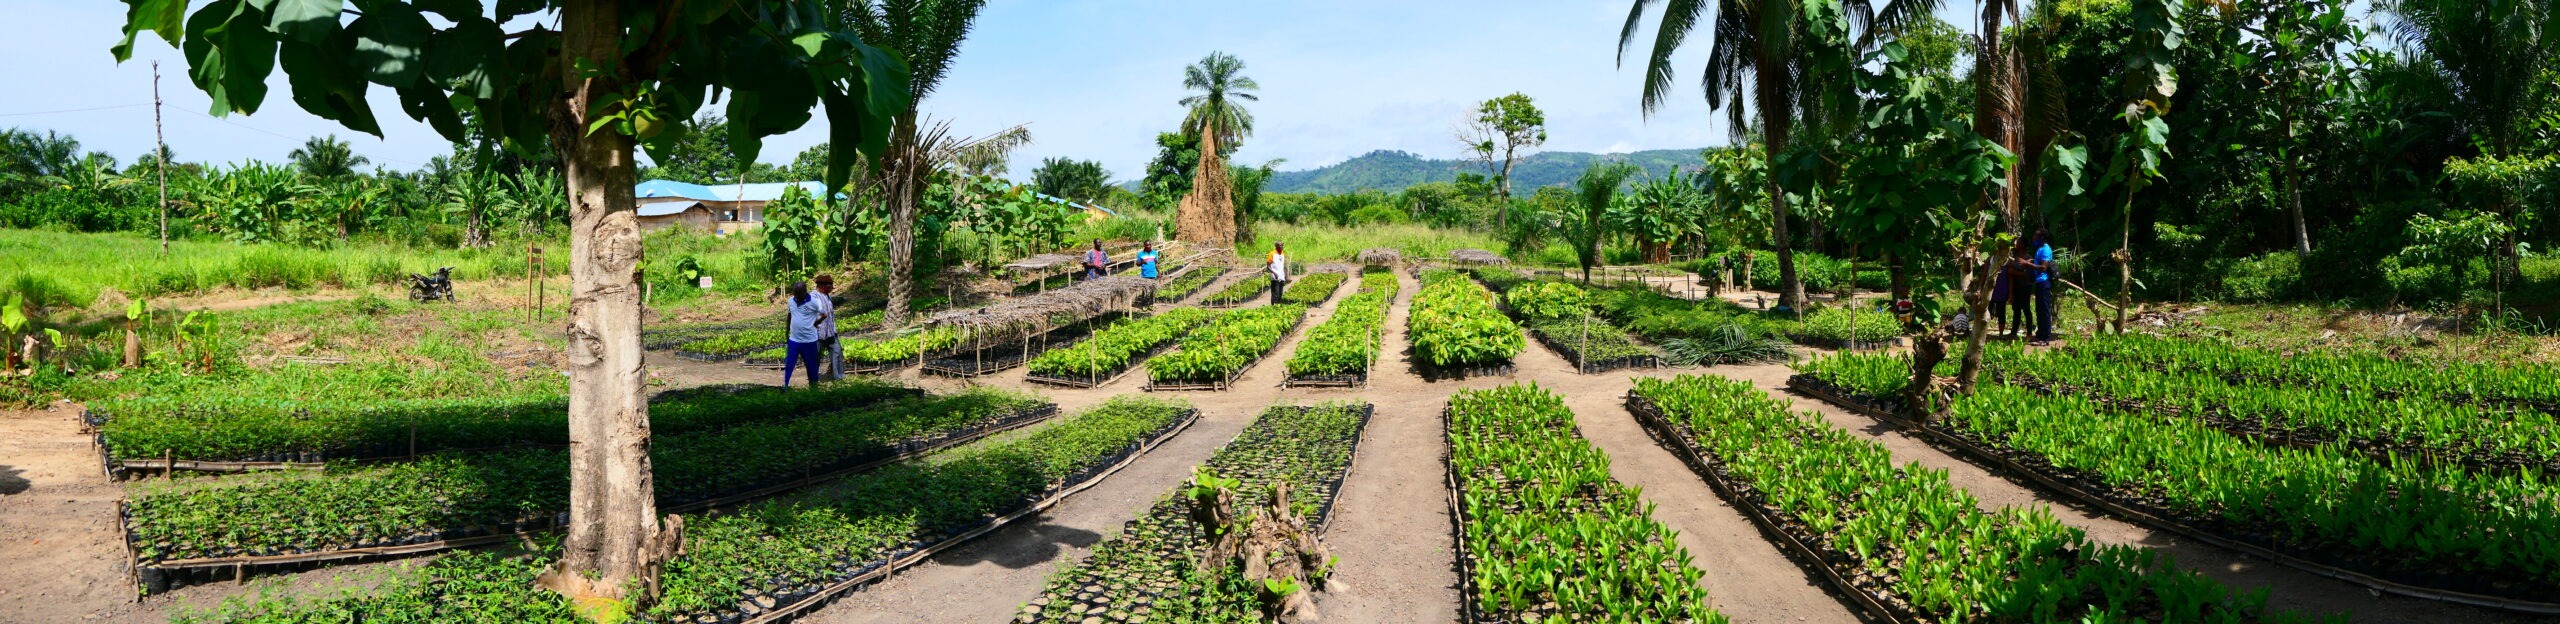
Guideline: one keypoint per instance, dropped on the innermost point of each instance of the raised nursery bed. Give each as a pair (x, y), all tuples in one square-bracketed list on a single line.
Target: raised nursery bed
[(1586, 365), (2037, 472), (994, 359), (160, 574), (1353, 380), (407, 443), (1147, 572)]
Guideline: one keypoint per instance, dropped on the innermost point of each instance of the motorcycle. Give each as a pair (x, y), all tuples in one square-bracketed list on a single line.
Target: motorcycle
[(424, 288)]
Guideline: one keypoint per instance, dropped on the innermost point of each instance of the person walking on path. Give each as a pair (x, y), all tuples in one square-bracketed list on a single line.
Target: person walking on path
[(1279, 267), (801, 348), (1147, 261), (2042, 267), (830, 352), (1096, 263)]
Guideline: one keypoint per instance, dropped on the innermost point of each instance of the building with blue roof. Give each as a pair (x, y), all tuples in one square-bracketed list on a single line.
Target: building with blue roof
[(716, 208)]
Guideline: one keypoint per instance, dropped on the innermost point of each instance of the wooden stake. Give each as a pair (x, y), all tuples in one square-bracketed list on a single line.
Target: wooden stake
[(161, 155)]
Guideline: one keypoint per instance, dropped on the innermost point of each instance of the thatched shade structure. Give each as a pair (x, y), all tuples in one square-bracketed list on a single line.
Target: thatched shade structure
[(1336, 267), (1034, 314), (1477, 256), (1381, 256), (1042, 262)]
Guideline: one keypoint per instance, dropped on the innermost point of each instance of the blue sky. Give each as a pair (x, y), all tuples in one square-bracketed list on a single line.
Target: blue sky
[(1094, 79)]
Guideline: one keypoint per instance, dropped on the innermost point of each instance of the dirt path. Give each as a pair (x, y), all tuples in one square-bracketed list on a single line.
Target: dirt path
[(2288, 588), (990, 578), (1391, 523)]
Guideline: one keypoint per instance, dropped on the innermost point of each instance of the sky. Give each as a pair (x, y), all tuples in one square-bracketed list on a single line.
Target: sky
[(1094, 80)]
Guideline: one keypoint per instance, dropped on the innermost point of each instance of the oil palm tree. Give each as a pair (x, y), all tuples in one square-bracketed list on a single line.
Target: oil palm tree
[(927, 34), (327, 158), (1760, 48), (1208, 216), (2488, 52)]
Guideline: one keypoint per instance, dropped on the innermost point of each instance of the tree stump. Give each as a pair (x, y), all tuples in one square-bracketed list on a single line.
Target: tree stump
[(1274, 550)]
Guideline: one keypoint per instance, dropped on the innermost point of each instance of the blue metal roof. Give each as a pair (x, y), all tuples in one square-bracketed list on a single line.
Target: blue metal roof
[(762, 192), (1056, 199)]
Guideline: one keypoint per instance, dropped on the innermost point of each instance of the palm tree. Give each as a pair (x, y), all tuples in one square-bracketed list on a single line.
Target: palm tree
[(1759, 47), (927, 34), (2487, 53), (1593, 194), (1218, 117), (327, 158)]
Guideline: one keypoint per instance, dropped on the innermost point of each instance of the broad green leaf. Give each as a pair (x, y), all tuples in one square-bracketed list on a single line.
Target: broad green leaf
[(13, 316), (325, 86), (468, 51), (165, 17), (307, 21), (391, 44), (242, 53)]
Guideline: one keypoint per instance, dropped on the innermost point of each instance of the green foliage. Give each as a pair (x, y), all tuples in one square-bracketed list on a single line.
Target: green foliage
[(1074, 180), (1390, 171), (1152, 565), (1313, 289), (239, 421), (2005, 564), (1112, 348), (1546, 301), (1224, 347), (1500, 128), (1178, 288), (362, 507), (1241, 291), (1348, 342), (1454, 323), (779, 547), (1844, 325), (1550, 536)]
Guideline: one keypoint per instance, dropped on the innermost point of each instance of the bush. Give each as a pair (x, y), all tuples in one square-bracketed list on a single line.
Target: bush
[(2264, 277), (1375, 214), (1546, 301)]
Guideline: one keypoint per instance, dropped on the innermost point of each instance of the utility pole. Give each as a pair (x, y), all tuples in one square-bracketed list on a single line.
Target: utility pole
[(160, 154)]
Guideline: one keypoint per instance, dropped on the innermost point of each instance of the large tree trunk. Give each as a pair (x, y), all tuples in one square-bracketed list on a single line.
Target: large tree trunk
[(903, 174), (1207, 217), (1775, 124), (1997, 117), (613, 515)]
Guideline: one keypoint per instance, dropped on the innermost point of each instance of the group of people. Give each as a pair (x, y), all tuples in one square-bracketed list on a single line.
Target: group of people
[(1097, 263), (2022, 294), (811, 343)]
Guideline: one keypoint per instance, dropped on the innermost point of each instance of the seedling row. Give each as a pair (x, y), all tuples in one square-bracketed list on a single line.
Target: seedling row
[(1152, 571), (1214, 355), (781, 557), (1454, 327), (450, 497), (1342, 350)]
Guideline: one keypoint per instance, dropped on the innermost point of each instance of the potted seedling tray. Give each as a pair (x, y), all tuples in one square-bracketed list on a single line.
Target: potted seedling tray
[(1431, 372), (1346, 380), (1587, 365)]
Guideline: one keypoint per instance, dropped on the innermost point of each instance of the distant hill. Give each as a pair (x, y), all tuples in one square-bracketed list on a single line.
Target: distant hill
[(1391, 171)]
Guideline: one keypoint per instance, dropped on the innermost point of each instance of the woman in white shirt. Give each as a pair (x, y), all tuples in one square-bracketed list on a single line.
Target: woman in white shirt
[(807, 312)]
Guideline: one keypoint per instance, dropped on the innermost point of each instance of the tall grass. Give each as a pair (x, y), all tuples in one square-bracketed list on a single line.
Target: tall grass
[(57, 269), (1319, 243)]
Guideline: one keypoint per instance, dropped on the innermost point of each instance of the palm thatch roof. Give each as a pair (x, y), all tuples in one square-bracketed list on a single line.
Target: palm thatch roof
[(1043, 262), (1477, 256), (1337, 267), (1028, 315), (1381, 256)]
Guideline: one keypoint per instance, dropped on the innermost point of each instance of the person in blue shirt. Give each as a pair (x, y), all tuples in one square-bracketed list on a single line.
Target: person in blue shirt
[(1147, 261), (801, 342), (2042, 268)]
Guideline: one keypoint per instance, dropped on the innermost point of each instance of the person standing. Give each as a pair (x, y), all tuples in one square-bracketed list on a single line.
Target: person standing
[(830, 352), (800, 348), (2022, 290), (1147, 261), (1279, 267), (2003, 301), (2042, 268), (1096, 263)]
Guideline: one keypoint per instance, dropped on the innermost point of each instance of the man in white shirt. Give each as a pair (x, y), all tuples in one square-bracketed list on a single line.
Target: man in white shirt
[(1279, 266)]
